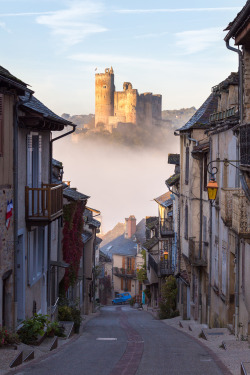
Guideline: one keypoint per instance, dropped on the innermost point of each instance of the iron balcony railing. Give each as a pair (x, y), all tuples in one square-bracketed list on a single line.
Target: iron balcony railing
[(166, 267), (152, 263), (43, 204), (124, 272), (166, 227)]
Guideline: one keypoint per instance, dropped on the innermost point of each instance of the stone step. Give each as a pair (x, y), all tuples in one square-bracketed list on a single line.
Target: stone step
[(69, 329), (245, 368), (48, 344)]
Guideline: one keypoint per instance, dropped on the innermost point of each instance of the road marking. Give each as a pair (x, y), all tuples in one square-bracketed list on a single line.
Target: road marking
[(106, 338)]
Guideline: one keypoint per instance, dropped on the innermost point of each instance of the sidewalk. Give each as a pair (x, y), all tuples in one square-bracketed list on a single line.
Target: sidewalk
[(7, 355), (220, 341)]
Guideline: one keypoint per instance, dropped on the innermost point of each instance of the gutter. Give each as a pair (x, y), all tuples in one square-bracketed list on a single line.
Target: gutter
[(15, 181)]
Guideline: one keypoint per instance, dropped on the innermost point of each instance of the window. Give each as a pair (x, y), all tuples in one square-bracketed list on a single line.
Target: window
[(186, 223), (1, 124), (36, 254), (216, 262), (205, 162), (187, 166), (224, 269)]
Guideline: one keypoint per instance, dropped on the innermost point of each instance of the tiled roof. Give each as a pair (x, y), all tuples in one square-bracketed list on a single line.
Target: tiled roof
[(163, 199), (239, 22), (174, 159), (98, 240), (120, 246), (150, 243), (201, 116), (39, 107), (94, 222), (152, 221), (57, 163), (103, 257), (172, 180), (86, 236), (232, 79), (74, 194), (6, 74)]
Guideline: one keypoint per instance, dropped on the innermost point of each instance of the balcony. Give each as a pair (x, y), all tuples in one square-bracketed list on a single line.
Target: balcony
[(124, 272), (196, 259), (166, 267), (152, 263), (245, 146), (166, 227), (43, 205), (227, 205), (241, 215)]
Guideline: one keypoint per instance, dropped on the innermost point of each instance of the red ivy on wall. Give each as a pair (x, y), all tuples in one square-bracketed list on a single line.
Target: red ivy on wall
[(72, 244)]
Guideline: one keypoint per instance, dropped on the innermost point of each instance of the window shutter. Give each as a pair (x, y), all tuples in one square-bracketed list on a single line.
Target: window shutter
[(39, 161), (29, 160), (123, 262), (133, 264), (1, 124), (186, 223), (187, 166), (129, 285), (122, 284)]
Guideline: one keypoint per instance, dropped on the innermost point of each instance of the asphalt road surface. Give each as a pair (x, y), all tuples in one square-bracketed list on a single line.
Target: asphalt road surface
[(126, 341)]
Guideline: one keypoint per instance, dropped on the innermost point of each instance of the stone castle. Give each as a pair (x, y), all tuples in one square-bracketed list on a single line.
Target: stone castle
[(114, 108)]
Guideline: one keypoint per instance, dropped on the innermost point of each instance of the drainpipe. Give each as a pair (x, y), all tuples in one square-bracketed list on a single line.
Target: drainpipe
[(210, 247), (238, 177), (15, 181), (200, 239), (237, 265), (49, 225), (240, 78)]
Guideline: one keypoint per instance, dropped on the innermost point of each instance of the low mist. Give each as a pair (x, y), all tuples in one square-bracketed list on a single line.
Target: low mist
[(122, 179)]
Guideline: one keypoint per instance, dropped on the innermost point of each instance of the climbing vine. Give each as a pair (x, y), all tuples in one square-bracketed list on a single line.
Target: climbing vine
[(72, 244)]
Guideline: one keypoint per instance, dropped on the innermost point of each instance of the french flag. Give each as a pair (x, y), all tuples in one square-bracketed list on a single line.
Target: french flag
[(8, 213)]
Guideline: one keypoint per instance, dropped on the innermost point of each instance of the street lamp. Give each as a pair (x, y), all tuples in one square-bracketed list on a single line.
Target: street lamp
[(212, 186)]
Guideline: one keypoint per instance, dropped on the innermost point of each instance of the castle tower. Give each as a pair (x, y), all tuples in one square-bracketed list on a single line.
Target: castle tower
[(104, 97)]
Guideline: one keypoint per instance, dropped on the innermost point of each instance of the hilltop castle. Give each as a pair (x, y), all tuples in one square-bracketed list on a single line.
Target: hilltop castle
[(123, 107)]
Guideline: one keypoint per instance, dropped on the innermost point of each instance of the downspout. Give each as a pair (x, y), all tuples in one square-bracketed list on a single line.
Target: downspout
[(239, 177), (240, 78), (237, 264), (15, 181), (210, 247), (49, 225), (200, 239)]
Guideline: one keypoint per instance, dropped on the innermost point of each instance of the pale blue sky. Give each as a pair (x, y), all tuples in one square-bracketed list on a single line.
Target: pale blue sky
[(172, 48)]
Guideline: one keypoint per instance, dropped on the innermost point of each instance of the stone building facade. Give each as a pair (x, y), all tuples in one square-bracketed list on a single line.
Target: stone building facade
[(124, 107)]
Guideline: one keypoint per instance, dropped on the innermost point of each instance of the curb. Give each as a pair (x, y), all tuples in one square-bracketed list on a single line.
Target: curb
[(72, 339)]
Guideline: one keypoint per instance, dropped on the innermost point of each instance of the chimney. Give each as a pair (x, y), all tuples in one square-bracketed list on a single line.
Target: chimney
[(130, 226)]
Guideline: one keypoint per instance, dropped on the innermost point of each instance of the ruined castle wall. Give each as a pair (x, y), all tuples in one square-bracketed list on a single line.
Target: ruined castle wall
[(104, 97), (125, 105), (156, 106)]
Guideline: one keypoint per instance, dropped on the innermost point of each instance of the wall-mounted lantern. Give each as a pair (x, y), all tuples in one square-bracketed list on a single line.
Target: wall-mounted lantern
[(212, 188)]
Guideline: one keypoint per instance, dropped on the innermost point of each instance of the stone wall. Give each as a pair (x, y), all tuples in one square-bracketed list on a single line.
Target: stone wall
[(246, 79), (6, 257)]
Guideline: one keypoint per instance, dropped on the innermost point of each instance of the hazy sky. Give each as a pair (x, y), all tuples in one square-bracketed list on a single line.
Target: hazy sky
[(174, 48)]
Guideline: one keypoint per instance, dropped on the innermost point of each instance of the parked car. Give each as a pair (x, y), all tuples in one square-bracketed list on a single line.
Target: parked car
[(122, 299)]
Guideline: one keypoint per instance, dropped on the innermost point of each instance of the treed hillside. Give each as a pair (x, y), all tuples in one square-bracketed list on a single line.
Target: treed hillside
[(178, 117), (131, 135), (174, 118)]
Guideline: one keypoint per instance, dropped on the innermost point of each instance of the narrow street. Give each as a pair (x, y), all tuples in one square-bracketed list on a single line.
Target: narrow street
[(122, 340)]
